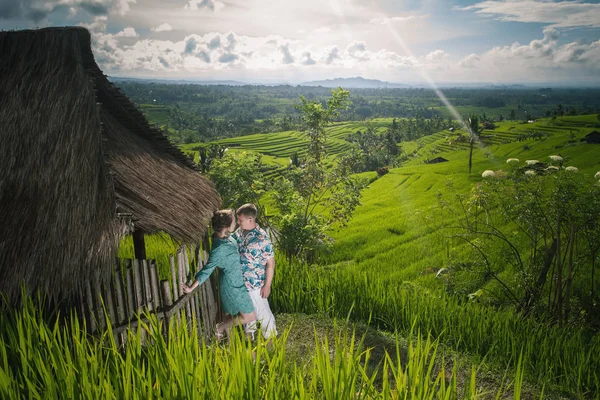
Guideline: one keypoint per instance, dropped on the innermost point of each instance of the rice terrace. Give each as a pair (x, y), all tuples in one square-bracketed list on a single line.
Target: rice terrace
[(431, 241)]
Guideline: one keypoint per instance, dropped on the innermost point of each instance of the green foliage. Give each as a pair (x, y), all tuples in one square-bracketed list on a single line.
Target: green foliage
[(238, 179), (560, 358), (374, 151), (311, 198), (40, 361), (545, 229), (207, 154)]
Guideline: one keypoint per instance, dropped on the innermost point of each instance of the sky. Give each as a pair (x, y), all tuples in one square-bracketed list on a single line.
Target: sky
[(294, 41)]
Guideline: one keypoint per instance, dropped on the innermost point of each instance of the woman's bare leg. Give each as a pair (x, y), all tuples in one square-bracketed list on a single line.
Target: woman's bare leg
[(229, 321)]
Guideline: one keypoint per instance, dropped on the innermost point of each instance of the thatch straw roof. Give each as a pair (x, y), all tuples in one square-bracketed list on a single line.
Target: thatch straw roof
[(74, 153)]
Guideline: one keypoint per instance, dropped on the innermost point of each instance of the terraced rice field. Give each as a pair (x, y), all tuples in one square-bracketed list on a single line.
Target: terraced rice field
[(277, 148)]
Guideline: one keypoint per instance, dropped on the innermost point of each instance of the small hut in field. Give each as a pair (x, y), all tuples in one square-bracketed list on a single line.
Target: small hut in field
[(436, 160), (592, 137), (80, 167)]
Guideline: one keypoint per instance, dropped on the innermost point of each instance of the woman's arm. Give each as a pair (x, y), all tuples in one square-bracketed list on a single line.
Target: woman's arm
[(203, 274)]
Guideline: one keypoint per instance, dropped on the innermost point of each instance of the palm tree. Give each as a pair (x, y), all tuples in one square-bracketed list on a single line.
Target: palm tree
[(474, 132)]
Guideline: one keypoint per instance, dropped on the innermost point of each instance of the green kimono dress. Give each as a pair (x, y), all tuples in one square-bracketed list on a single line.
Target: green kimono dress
[(234, 295)]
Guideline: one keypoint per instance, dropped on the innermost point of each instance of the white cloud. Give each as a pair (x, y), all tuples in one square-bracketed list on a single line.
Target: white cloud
[(211, 5), (162, 28), (190, 46), (227, 58), (561, 14), (287, 55), (98, 25), (358, 50), (308, 60), (539, 59), (38, 10), (333, 54), (216, 55), (437, 55), (127, 32), (470, 61)]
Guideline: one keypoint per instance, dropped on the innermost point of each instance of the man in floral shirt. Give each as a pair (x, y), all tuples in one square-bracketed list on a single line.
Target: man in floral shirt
[(258, 267)]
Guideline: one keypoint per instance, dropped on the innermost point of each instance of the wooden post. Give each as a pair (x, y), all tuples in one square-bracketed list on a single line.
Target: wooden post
[(147, 286), (120, 303), (155, 285), (175, 283), (109, 289), (195, 299), (120, 295), (186, 270), (167, 302), (138, 290), (139, 293), (130, 290), (139, 244)]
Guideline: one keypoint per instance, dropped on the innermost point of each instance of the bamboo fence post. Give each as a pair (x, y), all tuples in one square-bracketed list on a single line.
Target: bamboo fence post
[(121, 304), (174, 284), (147, 286), (206, 326), (196, 308), (155, 285), (167, 303), (139, 294), (184, 274), (130, 290)]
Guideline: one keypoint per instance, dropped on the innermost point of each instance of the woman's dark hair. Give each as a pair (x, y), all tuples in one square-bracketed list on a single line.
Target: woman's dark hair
[(222, 219)]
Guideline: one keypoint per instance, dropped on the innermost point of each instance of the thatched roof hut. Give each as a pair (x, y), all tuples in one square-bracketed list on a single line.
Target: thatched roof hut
[(74, 155)]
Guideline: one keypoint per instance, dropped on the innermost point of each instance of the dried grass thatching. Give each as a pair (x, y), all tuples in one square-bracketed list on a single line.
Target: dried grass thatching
[(74, 152)]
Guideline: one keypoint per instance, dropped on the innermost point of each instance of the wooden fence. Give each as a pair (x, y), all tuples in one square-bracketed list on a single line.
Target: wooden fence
[(134, 288)]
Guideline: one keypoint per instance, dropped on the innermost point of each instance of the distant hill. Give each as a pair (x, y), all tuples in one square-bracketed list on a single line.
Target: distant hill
[(355, 83)]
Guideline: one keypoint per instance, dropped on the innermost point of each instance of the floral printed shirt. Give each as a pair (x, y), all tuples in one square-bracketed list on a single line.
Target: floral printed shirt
[(255, 249)]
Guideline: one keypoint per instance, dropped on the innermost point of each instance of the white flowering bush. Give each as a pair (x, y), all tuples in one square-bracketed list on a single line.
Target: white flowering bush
[(488, 173), (512, 160), (530, 172), (572, 169), (552, 168), (531, 162), (597, 176), (556, 158)]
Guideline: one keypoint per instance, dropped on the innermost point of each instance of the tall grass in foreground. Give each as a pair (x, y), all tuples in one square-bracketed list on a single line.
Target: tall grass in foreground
[(563, 359), (40, 361)]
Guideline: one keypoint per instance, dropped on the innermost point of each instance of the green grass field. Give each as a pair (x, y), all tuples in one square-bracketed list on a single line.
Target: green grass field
[(412, 339), (382, 265)]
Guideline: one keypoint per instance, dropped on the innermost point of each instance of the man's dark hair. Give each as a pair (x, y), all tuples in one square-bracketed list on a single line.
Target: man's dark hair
[(248, 210)]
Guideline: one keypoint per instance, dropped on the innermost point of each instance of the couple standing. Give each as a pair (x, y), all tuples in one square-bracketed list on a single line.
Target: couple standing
[(246, 259)]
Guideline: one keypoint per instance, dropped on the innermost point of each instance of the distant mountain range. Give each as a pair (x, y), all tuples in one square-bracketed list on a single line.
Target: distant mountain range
[(363, 83), (355, 83)]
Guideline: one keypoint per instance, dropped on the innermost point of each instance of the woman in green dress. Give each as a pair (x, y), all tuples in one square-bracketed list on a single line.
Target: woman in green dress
[(235, 300)]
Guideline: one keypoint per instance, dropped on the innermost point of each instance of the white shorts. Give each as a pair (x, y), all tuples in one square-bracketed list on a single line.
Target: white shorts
[(264, 316)]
